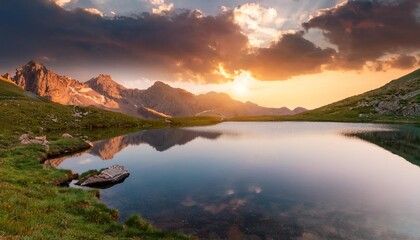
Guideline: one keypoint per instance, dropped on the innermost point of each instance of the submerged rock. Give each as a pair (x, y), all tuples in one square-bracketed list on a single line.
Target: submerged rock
[(106, 177)]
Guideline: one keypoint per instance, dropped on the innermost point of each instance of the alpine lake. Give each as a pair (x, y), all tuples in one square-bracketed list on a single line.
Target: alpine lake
[(267, 180)]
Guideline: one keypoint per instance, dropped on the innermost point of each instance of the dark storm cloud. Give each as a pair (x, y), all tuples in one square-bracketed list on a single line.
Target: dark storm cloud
[(403, 62), (399, 62), (290, 56), (183, 43), (186, 45), (367, 30)]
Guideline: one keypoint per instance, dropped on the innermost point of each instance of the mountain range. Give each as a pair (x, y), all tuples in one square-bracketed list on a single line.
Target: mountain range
[(158, 101)]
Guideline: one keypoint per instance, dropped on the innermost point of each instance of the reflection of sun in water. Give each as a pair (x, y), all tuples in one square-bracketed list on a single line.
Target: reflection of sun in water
[(242, 83)]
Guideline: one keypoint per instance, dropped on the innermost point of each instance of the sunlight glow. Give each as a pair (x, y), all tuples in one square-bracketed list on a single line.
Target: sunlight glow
[(222, 72), (242, 83)]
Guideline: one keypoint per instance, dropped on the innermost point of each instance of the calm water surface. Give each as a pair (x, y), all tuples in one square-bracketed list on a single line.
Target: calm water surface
[(287, 180)]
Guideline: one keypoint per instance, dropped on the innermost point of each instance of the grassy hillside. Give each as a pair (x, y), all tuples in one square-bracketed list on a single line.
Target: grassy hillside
[(395, 102), (32, 204)]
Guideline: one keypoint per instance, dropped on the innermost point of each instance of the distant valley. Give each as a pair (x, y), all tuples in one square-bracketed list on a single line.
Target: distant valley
[(158, 101)]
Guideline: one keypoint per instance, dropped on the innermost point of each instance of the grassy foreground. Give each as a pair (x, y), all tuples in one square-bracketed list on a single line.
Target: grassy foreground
[(32, 204)]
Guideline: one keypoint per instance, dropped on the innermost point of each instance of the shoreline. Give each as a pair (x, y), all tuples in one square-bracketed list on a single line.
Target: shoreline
[(48, 178), (30, 187)]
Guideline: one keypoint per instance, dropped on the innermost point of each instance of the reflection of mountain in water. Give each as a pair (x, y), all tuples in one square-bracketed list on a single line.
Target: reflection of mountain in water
[(404, 142), (55, 162), (160, 139)]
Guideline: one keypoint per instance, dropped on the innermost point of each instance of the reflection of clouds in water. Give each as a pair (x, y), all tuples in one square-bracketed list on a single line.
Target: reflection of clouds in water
[(214, 208), (188, 202), (255, 189), (229, 192), (85, 161), (233, 205)]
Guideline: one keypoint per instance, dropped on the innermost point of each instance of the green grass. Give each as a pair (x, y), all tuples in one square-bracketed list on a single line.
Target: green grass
[(32, 205), (417, 98)]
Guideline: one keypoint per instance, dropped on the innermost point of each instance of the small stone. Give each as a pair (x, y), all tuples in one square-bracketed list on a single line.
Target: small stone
[(66, 135), (77, 115), (89, 142), (24, 137)]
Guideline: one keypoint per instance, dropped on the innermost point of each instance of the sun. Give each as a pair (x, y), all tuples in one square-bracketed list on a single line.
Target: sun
[(240, 88), (241, 83)]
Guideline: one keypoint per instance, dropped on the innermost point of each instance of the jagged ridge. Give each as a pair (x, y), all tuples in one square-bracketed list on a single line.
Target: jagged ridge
[(158, 101)]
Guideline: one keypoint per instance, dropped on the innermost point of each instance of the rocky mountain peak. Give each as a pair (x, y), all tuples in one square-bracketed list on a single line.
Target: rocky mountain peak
[(38, 79), (105, 85), (33, 66), (35, 77), (104, 78), (7, 77), (160, 85), (34, 63)]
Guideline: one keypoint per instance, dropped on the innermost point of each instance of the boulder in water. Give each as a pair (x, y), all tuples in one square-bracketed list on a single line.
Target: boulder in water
[(106, 177)]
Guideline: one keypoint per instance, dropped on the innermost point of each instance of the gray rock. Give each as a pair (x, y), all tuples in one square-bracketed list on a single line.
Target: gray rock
[(89, 142), (106, 178), (66, 135), (27, 139)]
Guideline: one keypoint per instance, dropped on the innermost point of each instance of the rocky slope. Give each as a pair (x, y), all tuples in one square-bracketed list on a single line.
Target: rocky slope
[(158, 101), (36, 78)]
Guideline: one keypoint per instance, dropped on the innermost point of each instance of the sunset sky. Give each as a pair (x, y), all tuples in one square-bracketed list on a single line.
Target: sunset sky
[(274, 53)]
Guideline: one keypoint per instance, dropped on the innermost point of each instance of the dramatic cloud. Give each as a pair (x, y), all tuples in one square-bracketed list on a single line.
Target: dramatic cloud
[(184, 43), (403, 62), (94, 11), (366, 30), (160, 6), (292, 55), (399, 62), (258, 23), (62, 2), (181, 44)]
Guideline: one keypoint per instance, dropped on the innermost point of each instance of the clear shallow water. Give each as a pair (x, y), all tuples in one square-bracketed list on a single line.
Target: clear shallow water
[(287, 180)]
